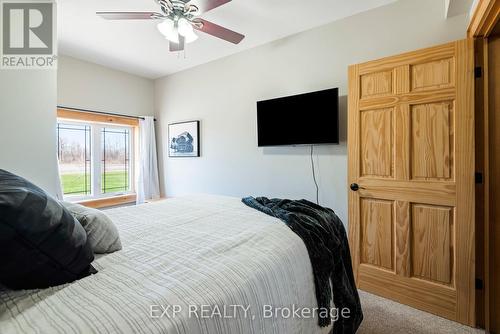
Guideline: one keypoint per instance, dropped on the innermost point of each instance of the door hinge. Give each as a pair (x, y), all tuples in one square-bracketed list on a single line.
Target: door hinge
[(478, 72), (479, 178), (479, 284)]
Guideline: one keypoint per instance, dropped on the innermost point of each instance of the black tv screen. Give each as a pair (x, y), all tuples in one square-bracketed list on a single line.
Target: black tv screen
[(305, 119)]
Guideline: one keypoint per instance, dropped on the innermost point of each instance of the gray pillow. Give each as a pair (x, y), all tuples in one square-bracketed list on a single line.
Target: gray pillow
[(101, 232), (41, 243)]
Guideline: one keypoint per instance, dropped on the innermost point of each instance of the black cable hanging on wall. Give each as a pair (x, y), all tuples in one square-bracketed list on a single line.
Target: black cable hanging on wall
[(314, 175)]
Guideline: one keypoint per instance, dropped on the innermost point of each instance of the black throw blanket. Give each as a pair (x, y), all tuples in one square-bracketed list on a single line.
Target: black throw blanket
[(326, 241)]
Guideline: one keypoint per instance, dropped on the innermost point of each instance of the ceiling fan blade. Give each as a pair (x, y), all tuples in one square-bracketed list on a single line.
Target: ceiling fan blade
[(174, 47), (130, 15), (218, 31), (206, 5)]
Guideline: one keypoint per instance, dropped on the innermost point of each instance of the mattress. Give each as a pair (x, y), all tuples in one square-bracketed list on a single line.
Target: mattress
[(195, 264)]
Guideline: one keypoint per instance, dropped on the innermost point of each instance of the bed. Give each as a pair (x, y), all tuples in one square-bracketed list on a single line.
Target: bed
[(183, 259)]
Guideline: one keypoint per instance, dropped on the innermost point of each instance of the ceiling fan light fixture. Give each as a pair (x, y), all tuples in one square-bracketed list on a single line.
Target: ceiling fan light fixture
[(178, 20), (185, 27), (191, 37), (169, 30)]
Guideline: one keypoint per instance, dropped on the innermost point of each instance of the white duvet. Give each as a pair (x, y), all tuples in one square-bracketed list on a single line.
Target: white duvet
[(197, 264)]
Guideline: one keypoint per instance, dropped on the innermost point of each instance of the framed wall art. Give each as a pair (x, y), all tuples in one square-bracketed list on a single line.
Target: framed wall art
[(184, 139)]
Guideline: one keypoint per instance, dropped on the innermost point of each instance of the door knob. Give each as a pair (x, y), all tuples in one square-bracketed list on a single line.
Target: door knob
[(355, 187)]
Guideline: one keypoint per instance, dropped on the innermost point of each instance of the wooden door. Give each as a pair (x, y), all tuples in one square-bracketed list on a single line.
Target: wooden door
[(494, 177), (411, 156)]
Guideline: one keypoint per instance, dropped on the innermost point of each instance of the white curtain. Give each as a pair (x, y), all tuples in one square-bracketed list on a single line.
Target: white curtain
[(59, 192), (148, 186)]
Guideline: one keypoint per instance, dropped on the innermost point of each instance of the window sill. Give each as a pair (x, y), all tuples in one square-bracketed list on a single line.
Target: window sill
[(109, 201)]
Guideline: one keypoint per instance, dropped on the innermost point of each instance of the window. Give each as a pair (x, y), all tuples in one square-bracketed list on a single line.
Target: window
[(96, 156), (74, 150), (115, 160)]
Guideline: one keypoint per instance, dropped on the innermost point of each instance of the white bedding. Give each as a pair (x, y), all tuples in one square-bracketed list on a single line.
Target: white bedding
[(196, 254)]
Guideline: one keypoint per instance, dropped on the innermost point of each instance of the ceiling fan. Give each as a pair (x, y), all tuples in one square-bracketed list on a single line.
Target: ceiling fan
[(179, 18)]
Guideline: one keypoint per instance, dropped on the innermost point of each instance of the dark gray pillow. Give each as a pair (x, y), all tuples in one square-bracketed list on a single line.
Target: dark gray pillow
[(101, 232), (41, 243)]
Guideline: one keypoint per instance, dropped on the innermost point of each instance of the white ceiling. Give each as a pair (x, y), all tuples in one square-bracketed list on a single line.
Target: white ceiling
[(137, 47)]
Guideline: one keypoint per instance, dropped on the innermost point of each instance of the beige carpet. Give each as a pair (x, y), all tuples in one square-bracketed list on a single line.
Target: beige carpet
[(383, 316)]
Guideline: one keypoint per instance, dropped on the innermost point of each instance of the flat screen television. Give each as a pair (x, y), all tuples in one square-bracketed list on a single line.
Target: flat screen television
[(305, 119)]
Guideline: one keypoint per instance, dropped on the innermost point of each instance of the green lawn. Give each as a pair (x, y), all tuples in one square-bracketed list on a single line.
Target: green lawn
[(74, 184), (115, 181)]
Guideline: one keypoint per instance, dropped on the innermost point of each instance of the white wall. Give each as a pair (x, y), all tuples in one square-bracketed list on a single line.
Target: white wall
[(27, 125), (222, 94), (90, 86)]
